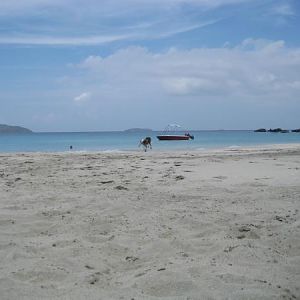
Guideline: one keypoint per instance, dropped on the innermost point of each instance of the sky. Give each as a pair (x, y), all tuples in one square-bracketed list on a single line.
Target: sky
[(98, 65)]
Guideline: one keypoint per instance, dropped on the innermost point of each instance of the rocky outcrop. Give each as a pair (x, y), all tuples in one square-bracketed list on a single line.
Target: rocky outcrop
[(278, 130), (260, 130)]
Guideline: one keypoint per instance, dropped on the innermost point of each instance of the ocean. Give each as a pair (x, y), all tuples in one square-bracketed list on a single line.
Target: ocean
[(122, 141)]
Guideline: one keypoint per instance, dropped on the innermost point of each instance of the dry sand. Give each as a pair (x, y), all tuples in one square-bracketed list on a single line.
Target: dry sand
[(155, 225)]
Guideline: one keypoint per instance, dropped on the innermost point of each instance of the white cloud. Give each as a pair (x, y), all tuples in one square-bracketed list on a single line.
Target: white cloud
[(91, 62), (283, 10), (188, 85), (84, 97), (255, 68), (261, 45), (17, 6), (62, 41), (93, 22), (281, 13)]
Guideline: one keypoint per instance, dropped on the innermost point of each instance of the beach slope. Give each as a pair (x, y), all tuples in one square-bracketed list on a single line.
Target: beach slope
[(155, 225)]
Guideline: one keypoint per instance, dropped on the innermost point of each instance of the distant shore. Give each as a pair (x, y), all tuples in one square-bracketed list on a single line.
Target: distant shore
[(255, 149)]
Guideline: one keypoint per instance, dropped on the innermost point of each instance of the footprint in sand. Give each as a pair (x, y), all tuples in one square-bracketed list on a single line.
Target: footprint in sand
[(262, 178), (94, 278), (235, 279), (131, 258), (159, 287), (38, 276), (220, 177), (246, 232), (120, 187), (108, 181)]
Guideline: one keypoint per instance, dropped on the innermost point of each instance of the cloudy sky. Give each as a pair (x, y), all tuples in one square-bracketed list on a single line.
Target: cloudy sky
[(79, 65)]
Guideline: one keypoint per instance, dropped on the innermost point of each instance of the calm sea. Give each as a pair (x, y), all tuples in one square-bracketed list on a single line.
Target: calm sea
[(114, 141)]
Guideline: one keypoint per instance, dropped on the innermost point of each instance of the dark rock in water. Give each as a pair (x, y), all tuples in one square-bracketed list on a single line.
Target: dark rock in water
[(275, 130), (260, 130), (296, 130), (13, 129), (278, 130)]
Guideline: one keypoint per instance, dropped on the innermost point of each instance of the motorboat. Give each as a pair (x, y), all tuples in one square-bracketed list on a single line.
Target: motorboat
[(172, 133)]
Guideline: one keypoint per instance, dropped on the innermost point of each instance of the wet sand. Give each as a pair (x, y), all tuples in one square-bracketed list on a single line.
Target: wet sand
[(158, 225)]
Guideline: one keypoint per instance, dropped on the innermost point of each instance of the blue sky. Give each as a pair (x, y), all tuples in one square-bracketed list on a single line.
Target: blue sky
[(79, 65)]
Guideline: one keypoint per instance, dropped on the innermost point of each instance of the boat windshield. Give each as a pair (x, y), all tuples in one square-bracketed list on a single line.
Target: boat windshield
[(173, 128)]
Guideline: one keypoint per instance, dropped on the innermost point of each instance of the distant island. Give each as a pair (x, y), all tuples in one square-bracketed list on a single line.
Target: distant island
[(138, 130), (13, 129)]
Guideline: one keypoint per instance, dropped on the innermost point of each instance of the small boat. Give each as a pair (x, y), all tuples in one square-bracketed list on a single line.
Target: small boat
[(171, 134), (175, 137)]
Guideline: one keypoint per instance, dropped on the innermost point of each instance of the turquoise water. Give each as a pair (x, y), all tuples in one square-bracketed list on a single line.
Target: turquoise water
[(114, 141)]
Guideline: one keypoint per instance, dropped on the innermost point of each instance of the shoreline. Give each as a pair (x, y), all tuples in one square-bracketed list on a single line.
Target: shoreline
[(205, 151)]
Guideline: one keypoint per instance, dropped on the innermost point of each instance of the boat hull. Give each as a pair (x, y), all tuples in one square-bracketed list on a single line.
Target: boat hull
[(173, 137)]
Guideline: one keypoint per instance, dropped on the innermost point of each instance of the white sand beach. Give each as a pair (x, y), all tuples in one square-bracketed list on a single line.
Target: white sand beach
[(157, 225)]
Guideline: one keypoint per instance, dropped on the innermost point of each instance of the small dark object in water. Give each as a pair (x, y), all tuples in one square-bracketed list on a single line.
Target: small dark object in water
[(278, 130), (71, 147), (275, 130), (260, 130), (189, 135)]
